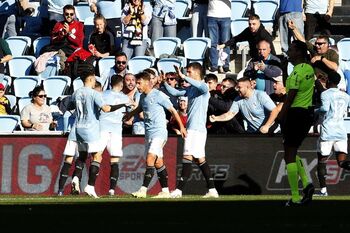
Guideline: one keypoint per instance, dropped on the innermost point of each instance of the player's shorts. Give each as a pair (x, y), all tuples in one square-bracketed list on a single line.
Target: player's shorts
[(297, 125), (113, 142), (155, 146), (325, 147), (195, 143), (71, 148), (90, 147)]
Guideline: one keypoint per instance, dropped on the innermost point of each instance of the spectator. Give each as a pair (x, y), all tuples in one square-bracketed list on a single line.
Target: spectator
[(8, 15), (182, 111), (290, 10), (67, 35), (56, 11), (5, 56), (101, 41), (5, 106), (254, 105), (163, 19), (37, 116), (219, 24), (221, 103), (254, 33), (171, 79), (199, 20), (119, 68), (135, 17), (212, 81), (265, 66), (107, 9), (318, 14)]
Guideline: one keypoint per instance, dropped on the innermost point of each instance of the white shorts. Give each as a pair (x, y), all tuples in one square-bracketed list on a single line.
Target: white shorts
[(155, 146), (325, 147), (113, 142), (91, 147), (195, 144)]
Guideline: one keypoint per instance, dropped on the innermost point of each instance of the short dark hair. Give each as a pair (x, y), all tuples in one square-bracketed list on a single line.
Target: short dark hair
[(86, 74), (68, 7), (121, 54), (244, 79), (302, 48), (35, 92), (211, 76), (116, 79), (334, 77), (254, 17), (143, 75), (196, 66), (230, 80)]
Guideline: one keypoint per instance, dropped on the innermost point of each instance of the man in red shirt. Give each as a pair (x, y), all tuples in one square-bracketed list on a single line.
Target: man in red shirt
[(69, 33)]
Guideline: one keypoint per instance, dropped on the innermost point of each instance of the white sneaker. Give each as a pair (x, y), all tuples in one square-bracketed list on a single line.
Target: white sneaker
[(75, 186), (162, 195), (211, 194), (141, 193), (90, 190), (177, 193), (111, 192)]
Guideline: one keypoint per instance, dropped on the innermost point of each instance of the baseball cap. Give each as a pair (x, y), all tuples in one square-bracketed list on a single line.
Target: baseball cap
[(2, 87), (183, 98), (278, 78)]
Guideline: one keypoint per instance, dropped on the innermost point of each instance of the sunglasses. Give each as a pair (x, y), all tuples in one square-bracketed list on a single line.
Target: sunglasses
[(68, 14), (320, 43), (41, 96), (224, 87), (121, 62), (183, 81), (171, 79)]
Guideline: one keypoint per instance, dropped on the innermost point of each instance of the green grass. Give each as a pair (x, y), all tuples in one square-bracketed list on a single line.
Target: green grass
[(68, 199)]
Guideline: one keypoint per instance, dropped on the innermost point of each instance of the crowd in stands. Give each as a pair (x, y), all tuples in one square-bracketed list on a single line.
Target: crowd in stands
[(130, 33)]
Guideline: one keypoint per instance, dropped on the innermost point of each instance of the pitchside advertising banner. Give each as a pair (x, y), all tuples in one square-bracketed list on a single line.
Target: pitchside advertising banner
[(245, 164)]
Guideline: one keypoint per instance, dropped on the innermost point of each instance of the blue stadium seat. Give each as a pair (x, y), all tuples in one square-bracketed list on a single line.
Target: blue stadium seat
[(24, 62), (181, 10), (139, 63), (23, 85), (82, 11), (77, 83), (7, 81), (19, 45), (39, 43), (167, 64), (8, 123), (13, 101), (201, 44), (266, 9), (22, 102), (56, 86), (237, 26), (238, 9), (166, 45)]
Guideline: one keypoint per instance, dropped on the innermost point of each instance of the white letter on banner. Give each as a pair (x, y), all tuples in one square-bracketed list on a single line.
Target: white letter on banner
[(281, 172), (6, 176), (43, 171)]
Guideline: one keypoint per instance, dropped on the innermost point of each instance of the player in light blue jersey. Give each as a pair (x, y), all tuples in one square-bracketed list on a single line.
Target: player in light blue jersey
[(194, 146), (111, 126), (86, 130), (333, 135), (254, 105), (153, 103)]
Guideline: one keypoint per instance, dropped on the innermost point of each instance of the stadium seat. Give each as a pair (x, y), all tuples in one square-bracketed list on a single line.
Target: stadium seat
[(23, 85), (104, 65), (13, 101), (110, 9), (139, 63), (7, 81), (201, 44), (82, 11), (56, 86), (181, 10), (237, 26), (266, 9), (24, 62), (8, 123), (77, 83), (343, 49), (39, 43), (166, 45), (167, 64), (238, 9), (88, 29), (290, 68), (22, 102), (19, 45)]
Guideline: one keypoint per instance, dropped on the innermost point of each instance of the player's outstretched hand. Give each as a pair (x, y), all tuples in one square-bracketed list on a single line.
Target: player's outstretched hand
[(212, 118)]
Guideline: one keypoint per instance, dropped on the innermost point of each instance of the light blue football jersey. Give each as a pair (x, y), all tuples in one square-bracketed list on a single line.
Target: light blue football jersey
[(334, 104), (112, 121), (86, 126), (255, 109), (153, 105), (198, 100)]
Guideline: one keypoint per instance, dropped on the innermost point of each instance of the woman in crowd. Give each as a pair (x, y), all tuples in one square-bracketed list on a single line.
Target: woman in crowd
[(37, 116)]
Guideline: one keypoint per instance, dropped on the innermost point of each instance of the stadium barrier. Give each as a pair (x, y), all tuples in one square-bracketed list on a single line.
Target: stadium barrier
[(244, 164)]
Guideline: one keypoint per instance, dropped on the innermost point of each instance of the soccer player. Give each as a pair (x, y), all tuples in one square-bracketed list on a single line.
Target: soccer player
[(194, 146), (333, 131), (111, 126), (152, 103), (297, 113)]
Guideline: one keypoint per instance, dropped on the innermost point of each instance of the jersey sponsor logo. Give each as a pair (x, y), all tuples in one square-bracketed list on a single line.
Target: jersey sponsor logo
[(278, 179)]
